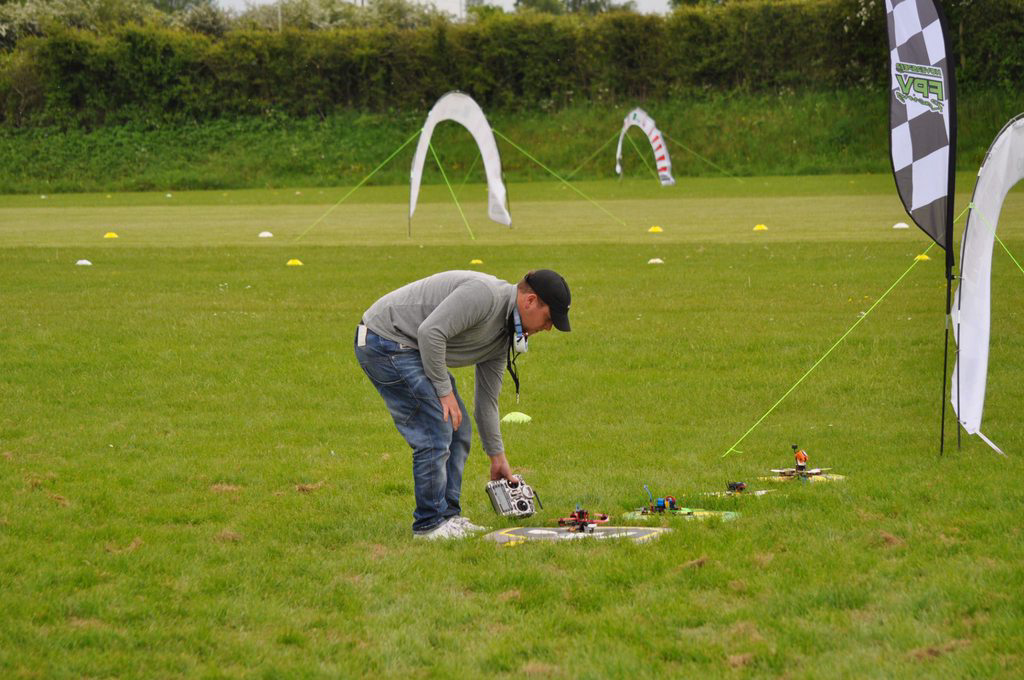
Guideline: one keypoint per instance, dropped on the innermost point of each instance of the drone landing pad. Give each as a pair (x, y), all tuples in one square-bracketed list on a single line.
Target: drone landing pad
[(816, 479), (516, 535)]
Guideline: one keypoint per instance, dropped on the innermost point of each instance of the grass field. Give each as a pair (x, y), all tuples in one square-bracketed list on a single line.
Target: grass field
[(197, 480)]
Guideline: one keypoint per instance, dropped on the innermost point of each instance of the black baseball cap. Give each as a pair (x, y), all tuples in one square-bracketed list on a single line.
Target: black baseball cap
[(553, 291)]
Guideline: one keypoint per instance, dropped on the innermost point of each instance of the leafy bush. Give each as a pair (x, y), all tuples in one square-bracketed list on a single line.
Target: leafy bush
[(527, 61)]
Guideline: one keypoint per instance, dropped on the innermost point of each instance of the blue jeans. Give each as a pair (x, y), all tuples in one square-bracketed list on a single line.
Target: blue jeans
[(438, 452)]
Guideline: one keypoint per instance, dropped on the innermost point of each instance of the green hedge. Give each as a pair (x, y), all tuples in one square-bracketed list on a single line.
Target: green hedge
[(512, 62)]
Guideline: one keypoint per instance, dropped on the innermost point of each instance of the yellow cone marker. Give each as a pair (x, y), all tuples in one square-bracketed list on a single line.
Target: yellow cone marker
[(476, 261), (110, 234), (760, 227), (294, 263), (655, 230), (922, 258)]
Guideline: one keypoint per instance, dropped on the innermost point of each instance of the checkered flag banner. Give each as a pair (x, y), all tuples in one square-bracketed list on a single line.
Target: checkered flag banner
[(922, 115)]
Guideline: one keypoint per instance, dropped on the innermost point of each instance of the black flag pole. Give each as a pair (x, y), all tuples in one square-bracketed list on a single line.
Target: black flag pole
[(949, 263), (945, 352), (956, 337), (950, 200), (922, 133)]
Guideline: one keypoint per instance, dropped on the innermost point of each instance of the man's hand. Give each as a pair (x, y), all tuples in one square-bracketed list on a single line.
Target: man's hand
[(450, 409), (500, 468)]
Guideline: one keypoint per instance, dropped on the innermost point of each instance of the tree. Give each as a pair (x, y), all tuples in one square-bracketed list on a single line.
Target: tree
[(480, 11), (596, 6), (172, 6), (545, 6), (676, 4)]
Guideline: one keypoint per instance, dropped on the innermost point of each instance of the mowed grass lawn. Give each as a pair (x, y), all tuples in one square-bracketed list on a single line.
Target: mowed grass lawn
[(197, 480)]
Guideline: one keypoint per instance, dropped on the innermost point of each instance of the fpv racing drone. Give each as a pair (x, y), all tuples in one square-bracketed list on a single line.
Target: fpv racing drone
[(669, 507), (801, 472), (580, 521), (737, 489)]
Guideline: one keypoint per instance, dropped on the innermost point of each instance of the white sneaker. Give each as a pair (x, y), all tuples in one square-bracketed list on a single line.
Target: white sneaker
[(444, 531), (465, 524)]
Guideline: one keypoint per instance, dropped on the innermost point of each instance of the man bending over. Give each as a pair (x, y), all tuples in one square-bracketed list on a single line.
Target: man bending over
[(405, 344)]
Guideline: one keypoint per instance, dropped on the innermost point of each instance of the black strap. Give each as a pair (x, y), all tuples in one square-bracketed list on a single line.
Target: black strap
[(510, 364)]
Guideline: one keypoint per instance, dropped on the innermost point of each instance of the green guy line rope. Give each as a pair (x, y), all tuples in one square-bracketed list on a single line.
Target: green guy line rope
[(591, 156), (361, 183), (836, 344), (469, 172), (1010, 254), (452, 191), (816, 363), (717, 167), (642, 157), (991, 228), (559, 177)]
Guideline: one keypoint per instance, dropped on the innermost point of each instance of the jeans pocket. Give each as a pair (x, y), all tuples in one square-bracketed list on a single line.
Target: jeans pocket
[(381, 370)]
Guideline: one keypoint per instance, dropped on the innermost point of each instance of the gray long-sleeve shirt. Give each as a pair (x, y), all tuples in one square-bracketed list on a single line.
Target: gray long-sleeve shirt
[(456, 318)]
